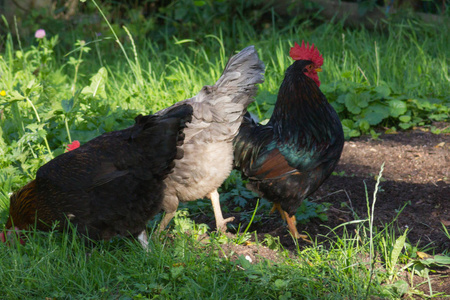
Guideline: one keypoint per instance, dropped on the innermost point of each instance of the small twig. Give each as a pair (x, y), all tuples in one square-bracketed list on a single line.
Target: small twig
[(363, 74), (327, 195)]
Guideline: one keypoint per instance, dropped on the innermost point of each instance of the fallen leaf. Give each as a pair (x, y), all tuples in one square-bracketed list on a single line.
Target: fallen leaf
[(179, 265), (422, 255), (445, 222)]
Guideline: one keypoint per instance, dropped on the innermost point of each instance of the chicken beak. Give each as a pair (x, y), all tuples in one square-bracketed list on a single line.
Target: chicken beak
[(318, 69)]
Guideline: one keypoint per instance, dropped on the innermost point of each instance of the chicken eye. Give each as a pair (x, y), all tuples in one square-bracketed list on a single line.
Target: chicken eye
[(308, 68)]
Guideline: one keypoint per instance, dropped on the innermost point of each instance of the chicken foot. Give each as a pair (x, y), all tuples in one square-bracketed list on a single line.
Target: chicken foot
[(221, 223), (291, 221), (143, 239)]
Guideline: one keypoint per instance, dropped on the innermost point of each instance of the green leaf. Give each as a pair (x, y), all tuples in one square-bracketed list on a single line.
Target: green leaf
[(421, 270), (374, 135), (327, 88), (438, 117), (401, 287), (109, 123), (383, 91), (374, 118), (349, 130), (348, 123), (67, 105), (364, 99), (15, 95), (364, 125), (176, 272), (354, 133), (405, 118), (398, 246), (375, 113), (266, 97), (351, 102), (97, 86), (341, 98), (280, 284), (85, 135), (405, 126), (199, 3), (244, 262), (338, 107), (240, 201), (397, 108), (442, 260), (422, 104)]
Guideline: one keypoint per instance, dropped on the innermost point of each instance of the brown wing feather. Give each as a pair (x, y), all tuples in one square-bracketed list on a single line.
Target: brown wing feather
[(274, 166)]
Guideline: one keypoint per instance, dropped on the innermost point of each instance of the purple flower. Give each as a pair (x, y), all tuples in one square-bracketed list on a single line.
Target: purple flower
[(39, 34)]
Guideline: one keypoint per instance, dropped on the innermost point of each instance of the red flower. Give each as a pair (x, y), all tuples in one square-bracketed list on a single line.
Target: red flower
[(73, 146), (9, 237)]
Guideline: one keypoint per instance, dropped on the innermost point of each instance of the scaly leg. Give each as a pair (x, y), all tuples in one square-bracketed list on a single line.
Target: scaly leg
[(165, 221), (291, 221), (221, 223), (292, 224), (277, 206)]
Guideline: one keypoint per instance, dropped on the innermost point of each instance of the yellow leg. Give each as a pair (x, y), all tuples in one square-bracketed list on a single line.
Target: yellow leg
[(292, 224), (291, 221), (277, 206)]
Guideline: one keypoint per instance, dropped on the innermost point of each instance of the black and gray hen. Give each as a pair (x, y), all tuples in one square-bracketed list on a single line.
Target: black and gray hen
[(112, 185)]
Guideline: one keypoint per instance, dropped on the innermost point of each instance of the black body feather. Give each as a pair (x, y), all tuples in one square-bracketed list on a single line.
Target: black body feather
[(112, 185), (287, 159)]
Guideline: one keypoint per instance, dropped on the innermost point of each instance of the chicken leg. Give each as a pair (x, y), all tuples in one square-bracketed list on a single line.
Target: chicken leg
[(166, 220), (142, 238), (291, 221), (221, 223)]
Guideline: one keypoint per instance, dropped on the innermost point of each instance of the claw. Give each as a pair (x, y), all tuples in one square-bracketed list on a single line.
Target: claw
[(292, 224), (221, 223), (291, 221)]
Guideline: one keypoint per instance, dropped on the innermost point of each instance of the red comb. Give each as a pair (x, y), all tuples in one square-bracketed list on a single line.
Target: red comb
[(306, 53)]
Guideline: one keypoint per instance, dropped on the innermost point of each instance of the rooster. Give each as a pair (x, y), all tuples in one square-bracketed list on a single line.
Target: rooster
[(287, 159), (112, 185), (208, 144)]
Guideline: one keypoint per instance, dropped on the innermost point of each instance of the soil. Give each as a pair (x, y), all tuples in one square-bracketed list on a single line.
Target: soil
[(414, 193)]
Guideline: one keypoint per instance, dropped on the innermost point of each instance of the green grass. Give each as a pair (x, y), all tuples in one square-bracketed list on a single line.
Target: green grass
[(186, 264), (78, 87), (183, 268)]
